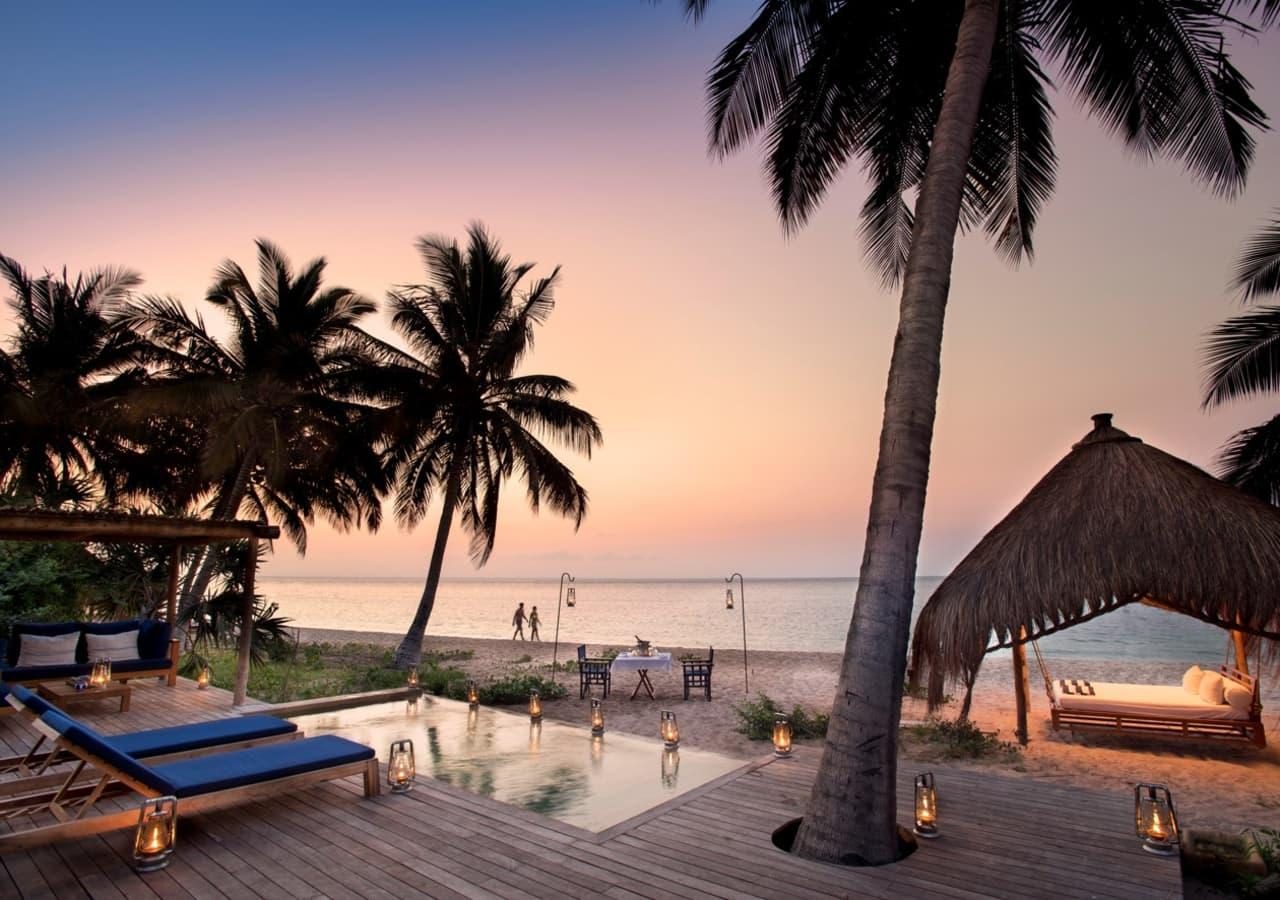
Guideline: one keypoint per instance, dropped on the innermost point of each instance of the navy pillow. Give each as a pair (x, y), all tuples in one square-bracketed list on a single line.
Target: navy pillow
[(153, 639), (45, 629)]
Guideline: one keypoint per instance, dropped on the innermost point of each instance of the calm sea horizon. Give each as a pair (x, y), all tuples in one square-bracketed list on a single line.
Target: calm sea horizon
[(790, 614)]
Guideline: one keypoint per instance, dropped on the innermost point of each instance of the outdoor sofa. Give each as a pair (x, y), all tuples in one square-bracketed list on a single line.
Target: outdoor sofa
[(138, 648)]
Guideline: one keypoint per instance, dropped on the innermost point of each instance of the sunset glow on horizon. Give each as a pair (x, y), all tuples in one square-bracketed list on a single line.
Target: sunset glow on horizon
[(738, 374)]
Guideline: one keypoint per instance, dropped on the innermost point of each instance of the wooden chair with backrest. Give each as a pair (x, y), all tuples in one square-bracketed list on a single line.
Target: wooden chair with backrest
[(697, 673), (592, 671)]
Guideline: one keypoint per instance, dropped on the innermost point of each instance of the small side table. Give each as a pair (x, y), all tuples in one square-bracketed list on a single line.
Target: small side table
[(63, 695)]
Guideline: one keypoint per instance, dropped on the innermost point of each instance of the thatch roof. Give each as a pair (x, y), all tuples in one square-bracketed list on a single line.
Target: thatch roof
[(1115, 522), (108, 527)]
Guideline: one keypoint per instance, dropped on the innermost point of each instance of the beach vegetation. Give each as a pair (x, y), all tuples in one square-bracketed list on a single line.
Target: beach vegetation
[(463, 422), (947, 105), (939, 738), (756, 719), (514, 689)]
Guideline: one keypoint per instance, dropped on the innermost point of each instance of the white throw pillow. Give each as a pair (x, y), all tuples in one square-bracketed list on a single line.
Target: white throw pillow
[(1238, 697), (1211, 690), (1191, 680), (48, 650), (113, 646)]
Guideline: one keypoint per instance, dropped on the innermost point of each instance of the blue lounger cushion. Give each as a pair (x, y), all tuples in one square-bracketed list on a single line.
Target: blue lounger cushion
[(199, 735), (30, 699), (192, 777)]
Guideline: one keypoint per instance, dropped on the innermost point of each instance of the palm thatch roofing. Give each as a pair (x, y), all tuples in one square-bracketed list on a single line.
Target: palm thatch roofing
[(1115, 522)]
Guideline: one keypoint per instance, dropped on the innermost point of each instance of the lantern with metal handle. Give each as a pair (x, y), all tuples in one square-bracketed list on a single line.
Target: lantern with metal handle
[(100, 674), (473, 694), (535, 705), (202, 679), (401, 767), (157, 831), (571, 597), (1155, 819), (781, 737), (728, 598), (669, 729), (411, 680), (926, 807), (597, 716)]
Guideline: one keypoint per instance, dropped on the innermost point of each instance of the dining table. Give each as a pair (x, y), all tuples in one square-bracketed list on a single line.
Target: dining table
[(641, 665)]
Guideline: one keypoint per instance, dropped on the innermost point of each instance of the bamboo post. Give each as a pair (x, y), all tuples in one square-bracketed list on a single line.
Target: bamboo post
[(246, 627), (1242, 657), (1021, 688)]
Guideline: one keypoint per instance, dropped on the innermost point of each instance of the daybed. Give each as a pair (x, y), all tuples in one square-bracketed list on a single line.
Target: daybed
[(1162, 710), (138, 648)]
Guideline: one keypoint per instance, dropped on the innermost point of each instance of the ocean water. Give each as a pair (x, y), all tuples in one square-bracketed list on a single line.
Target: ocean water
[(781, 614)]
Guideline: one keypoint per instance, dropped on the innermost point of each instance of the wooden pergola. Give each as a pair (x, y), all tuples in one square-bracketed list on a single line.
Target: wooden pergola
[(176, 533)]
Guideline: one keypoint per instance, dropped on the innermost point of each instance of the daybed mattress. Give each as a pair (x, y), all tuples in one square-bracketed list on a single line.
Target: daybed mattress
[(1146, 699)]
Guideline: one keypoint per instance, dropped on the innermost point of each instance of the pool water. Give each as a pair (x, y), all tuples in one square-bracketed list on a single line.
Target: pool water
[(548, 767)]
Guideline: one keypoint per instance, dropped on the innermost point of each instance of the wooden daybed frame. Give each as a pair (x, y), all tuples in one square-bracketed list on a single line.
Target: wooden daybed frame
[(1248, 730)]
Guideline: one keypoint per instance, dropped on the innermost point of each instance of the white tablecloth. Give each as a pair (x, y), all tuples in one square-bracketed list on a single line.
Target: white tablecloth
[(625, 662)]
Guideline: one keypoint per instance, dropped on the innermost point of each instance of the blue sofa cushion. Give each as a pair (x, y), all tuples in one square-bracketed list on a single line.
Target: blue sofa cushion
[(199, 735), (46, 629), (45, 673), (90, 741), (222, 771)]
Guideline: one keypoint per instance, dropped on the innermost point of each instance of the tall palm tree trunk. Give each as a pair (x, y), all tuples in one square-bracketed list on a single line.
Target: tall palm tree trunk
[(851, 814), (409, 653), (201, 571)]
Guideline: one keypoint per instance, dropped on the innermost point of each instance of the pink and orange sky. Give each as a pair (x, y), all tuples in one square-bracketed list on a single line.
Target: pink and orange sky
[(737, 374)]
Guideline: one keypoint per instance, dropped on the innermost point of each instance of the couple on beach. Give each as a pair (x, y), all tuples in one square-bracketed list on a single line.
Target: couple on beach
[(518, 621)]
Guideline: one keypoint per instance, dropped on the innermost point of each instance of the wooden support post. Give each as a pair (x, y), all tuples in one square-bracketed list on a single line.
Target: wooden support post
[(1242, 657), (246, 627), (1021, 689)]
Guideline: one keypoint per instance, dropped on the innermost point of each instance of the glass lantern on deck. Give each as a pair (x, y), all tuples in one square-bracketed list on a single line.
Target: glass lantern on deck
[(401, 767), (781, 737), (202, 679), (1155, 819), (926, 807), (156, 833), (100, 674)]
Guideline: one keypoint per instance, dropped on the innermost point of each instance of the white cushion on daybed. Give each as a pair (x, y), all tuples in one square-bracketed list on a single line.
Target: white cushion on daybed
[(48, 650), (1211, 688), (1238, 697), (1191, 680), (1145, 699)]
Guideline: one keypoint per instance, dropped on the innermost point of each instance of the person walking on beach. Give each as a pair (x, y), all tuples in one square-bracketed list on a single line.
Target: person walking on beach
[(518, 621), (534, 622)]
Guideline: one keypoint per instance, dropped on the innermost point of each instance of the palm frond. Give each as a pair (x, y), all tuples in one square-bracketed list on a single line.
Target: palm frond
[(1251, 461), (1242, 357), (1258, 269)]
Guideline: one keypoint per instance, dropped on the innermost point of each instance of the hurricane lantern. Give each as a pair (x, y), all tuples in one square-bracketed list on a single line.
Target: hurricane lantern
[(597, 717), (100, 674), (535, 705), (157, 830), (202, 679), (926, 807), (1155, 819), (411, 680), (669, 729), (401, 767), (670, 767), (781, 736), (571, 597), (473, 694), (728, 598)]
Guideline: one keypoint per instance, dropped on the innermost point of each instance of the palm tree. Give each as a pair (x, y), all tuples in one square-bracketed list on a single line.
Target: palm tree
[(948, 101), (279, 437), (61, 383), (1243, 360), (462, 421)]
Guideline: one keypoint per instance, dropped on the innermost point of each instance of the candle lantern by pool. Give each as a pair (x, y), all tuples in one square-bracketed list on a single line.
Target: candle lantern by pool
[(535, 705), (571, 597), (412, 678), (728, 598), (781, 736), (100, 674), (473, 694), (401, 767), (926, 807), (1155, 819), (670, 767), (202, 679), (669, 730), (157, 830), (597, 717)]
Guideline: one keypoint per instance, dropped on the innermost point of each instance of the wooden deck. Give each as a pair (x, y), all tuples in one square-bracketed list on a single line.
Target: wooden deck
[(1002, 837)]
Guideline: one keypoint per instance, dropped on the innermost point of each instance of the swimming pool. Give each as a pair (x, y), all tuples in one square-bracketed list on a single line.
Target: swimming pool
[(547, 767)]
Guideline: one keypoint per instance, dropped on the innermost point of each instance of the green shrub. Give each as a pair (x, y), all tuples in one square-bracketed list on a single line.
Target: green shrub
[(961, 739), (515, 689), (524, 659), (757, 719), (443, 682)]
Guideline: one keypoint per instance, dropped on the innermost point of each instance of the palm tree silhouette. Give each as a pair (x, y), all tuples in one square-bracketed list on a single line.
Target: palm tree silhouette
[(461, 421), (62, 381), (1243, 360), (282, 437), (948, 100)]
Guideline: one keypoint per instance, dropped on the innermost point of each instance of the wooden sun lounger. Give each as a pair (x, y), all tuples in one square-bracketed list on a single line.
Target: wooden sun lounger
[(202, 784)]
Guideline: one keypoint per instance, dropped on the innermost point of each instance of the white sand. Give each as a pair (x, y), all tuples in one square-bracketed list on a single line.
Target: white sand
[(1213, 784)]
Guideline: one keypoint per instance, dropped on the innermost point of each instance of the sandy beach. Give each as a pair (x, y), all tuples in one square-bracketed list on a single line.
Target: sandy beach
[(1215, 785)]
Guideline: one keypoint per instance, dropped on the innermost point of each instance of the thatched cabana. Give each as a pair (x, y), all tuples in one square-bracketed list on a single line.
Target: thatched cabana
[(1115, 522), (127, 528)]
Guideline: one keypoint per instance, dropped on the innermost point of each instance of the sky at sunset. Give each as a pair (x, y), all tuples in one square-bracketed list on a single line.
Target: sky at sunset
[(737, 373)]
